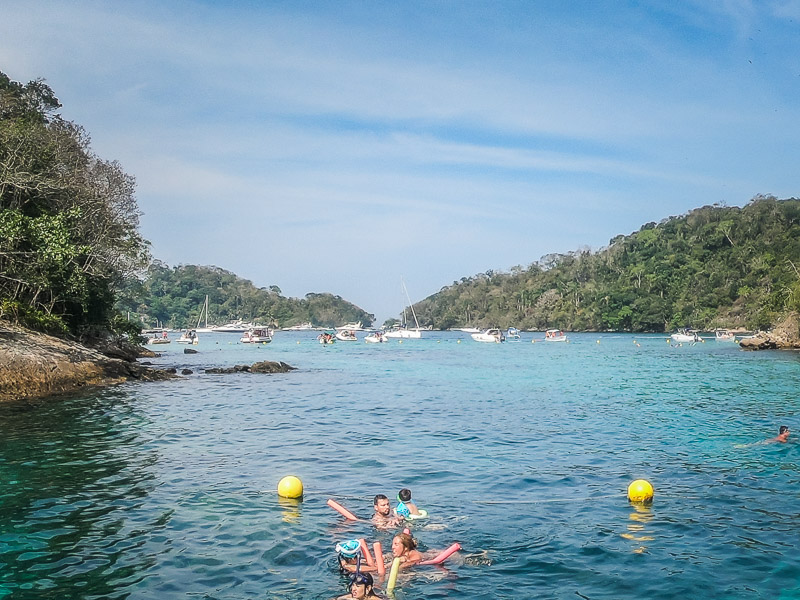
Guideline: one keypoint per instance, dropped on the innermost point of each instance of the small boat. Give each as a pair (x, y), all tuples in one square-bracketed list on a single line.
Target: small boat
[(490, 335), (158, 340), (326, 338), (188, 337), (346, 335), (259, 335), (684, 336), (376, 337), (554, 335), (723, 335), (512, 335), (468, 329)]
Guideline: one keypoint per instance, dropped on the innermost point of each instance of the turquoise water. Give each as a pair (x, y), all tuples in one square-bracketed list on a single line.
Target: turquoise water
[(521, 452)]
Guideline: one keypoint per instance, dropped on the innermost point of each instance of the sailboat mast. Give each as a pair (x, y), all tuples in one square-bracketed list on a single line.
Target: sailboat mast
[(413, 312), (204, 310)]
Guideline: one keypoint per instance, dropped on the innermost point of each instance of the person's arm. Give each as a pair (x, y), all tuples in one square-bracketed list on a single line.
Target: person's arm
[(365, 568), (409, 560)]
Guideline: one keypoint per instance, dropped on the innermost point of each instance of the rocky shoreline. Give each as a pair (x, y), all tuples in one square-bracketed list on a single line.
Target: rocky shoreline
[(785, 336), (35, 365)]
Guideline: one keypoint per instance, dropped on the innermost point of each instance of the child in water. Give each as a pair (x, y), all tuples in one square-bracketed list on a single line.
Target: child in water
[(404, 505)]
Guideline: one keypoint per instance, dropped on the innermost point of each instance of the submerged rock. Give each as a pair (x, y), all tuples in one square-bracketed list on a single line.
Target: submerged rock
[(266, 366)]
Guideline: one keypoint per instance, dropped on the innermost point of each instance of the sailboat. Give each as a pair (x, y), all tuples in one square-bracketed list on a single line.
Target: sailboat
[(404, 332), (203, 312)]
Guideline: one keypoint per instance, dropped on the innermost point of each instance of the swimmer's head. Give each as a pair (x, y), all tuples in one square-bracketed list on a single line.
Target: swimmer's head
[(381, 505), (360, 585), (402, 543), (783, 429), (349, 549), (404, 495), (361, 579)]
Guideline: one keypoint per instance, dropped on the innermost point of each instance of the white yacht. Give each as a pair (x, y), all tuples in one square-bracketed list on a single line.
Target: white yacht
[(237, 326), (684, 336), (494, 336)]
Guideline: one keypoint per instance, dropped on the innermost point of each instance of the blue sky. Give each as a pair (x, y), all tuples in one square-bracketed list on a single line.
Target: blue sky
[(337, 146)]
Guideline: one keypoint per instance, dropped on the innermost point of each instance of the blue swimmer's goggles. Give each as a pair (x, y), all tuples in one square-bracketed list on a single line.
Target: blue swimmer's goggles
[(361, 579)]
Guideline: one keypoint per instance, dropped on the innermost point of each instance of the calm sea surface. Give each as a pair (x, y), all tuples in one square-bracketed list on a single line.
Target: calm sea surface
[(522, 452)]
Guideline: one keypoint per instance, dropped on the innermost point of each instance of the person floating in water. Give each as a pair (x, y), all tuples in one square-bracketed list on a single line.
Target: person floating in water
[(361, 586), (782, 438), (404, 506), (383, 518), (404, 547), (783, 435)]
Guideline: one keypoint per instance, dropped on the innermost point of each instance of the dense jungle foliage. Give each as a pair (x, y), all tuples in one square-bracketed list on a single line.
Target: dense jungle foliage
[(175, 297), (716, 266), (68, 219)]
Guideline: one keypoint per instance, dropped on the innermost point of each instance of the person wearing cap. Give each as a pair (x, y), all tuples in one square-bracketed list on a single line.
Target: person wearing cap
[(383, 519), (360, 586)]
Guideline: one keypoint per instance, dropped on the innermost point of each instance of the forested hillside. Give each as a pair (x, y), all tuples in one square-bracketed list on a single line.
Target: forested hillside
[(69, 223), (175, 296), (716, 266)]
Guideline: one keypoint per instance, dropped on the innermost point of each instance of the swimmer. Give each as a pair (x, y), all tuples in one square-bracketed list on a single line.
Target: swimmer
[(404, 547), (349, 556), (360, 587), (404, 505), (783, 435), (782, 438), (383, 518)]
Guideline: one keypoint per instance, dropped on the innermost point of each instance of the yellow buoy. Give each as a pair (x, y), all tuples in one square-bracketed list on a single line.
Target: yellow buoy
[(290, 487), (640, 491), (598, 341), (458, 342)]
